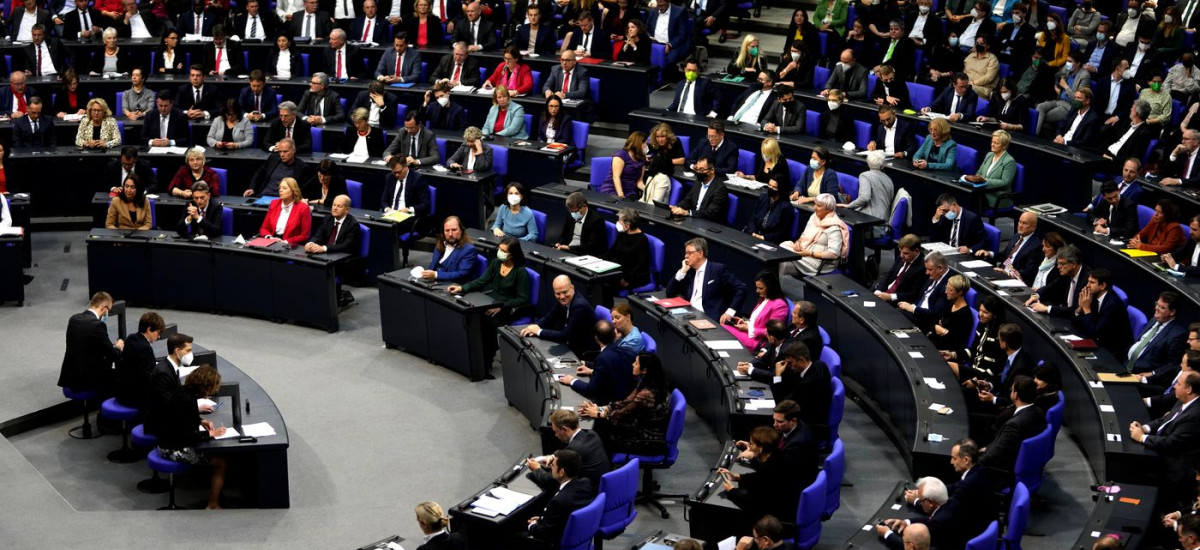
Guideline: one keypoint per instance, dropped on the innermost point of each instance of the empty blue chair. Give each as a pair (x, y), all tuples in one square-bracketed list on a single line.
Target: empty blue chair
[(987, 540), (535, 285), (832, 360), (603, 313), (1032, 458), (500, 164), (731, 214), (226, 220), (920, 94), (657, 252), (685, 142), (364, 244), (1009, 198), (1018, 517), (648, 343), (837, 408), (610, 233), (528, 123), (161, 465), (579, 134), (981, 106), (1119, 292), (967, 159), (974, 325), (835, 469), (808, 513), (993, 237), (619, 488), (824, 335), (441, 145), (601, 168), (318, 143), (649, 463), (812, 123), (354, 190), (539, 219), (821, 74), (113, 410), (417, 232), (896, 227), (480, 266), (594, 89), (120, 102), (303, 63), (83, 431), (862, 134), (972, 297), (1144, 215), (745, 161), (1054, 416), (582, 525), (797, 170), (1137, 319), (142, 441)]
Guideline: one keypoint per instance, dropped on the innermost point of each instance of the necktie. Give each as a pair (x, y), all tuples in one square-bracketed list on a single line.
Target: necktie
[(457, 73), (258, 102), (308, 25), (928, 292), (896, 284), (1171, 388), (87, 23), (333, 236), (1138, 348), (412, 147), (1174, 414), (1187, 172), (1072, 297), (442, 9), (954, 233), (587, 39), (35, 127), (891, 48), (345, 8), (289, 131), (196, 18), (339, 74), (399, 195), (683, 99), (218, 64), (474, 36), (1012, 255), (366, 29), (197, 90), (162, 127), (39, 61), (566, 82), (1004, 373), (698, 291), (253, 26), (399, 64)]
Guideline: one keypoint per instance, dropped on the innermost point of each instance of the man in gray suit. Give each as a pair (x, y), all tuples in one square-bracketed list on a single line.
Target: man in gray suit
[(850, 77), (416, 144), (399, 64)]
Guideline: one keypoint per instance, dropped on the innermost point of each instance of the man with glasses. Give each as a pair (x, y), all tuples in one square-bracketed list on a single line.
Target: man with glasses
[(88, 359), (1183, 166), (709, 286), (320, 104), (754, 104), (767, 534), (899, 53), (1060, 296), (567, 80), (708, 199), (1156, 351), (457, 67)]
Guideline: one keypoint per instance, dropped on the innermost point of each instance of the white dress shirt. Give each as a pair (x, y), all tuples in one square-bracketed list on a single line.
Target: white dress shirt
[(284, 214), (283, 67)]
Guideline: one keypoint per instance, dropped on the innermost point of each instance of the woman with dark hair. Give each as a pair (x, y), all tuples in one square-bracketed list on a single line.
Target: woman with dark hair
[(326, 186), (802, 31), (945, 61), (71, 100), (772, 488), (628, 171), (1054, 42), (554, 125), (635, 45), (818, 179), (284, 61), (175, 424), (637, 423), (1162, 234), (752, 331), (631, 250), (617, 17), (231, 130), (507, 282), (168, 60), (130, 209), (656, 182), (1007, 107), (984, 358), (512, 73), (514, 219), (1047, 271)]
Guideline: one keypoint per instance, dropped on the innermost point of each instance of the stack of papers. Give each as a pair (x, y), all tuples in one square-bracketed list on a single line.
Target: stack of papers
[(724, 344), (262, 429), (462, 89), (168, 150), (732, 179), (500, 500), (18, 231), (939, 247), (72, 118), (1009, 283), (357, 158), (760, 404), (933, 383), (592, 263), (976, 264)]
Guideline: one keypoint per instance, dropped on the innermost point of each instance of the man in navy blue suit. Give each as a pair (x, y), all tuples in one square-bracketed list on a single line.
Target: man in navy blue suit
[(572, 493), (587, 39), (611, 374), (931, 304), (707, 285), (454, 257), (256, 100), (1060, 296), (722, 152), (892, 136), (1081, 128), (14, 98), (34, 130), (368, 27), (1023, 255), (671, 33), (1174, 436), (404, 191), (177, 131), (1162, 342), (1186, 260), (198, 21), (957, 226), (400, 63), (957, 102), (695, 95), (542, 42), (1101, 314), (569, 322)]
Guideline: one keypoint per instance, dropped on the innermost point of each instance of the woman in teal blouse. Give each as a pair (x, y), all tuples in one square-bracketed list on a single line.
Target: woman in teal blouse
[(514, 219), (997, 170), (939, 152), (507, 282)]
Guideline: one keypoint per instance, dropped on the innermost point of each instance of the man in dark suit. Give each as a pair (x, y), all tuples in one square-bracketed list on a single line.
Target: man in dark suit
[(899, 52), (404, 190), (939, 519), (570, 492), (906, 278), (996, 393), (1176, 438), (931, 303), (569, 322), (584, 233), (677, 40), (458, 67), (369, 27), (311, 23), (1081, 128), (850, 77), (708, 198), (1112, 93), (753, 105), (225, 52), (1183, 166), (611, 373), (252, 25), (128, 162), (1187, 259), (1023, 254), (1001, 454), (797, 441), (319, 104), (784, 116), (454, 257), (957, 102), (441, 112), (82, 23), (1127, 138), (281, 163), (707, 285), (177, 132), (34, 130), (767, 365), (973, 489), (804, 328), (201, 217), (473, 30), (198, 20), (22, 17), (1115, 216), (400, 63), (809, 384), (341, 60), (379, 103), (137, 22), (722, 154), (416, 145), (1060, 297), (594, 462), (137, 362), (1162, 342), (892, 136), (534, 36), (14, 98), (44, 55), (289, 125), (196, 100), (588, 40), (339, 232), (259, 103), (1127, 185), (695, 95), (1158, 391), (89, 356), (891, 91), (1101, 315), (957, 226), (977, 23)]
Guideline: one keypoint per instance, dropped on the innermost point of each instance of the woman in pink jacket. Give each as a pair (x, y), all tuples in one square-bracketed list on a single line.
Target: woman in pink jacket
[(752, 332)]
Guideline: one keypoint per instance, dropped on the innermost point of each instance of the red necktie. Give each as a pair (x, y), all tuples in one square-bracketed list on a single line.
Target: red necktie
[(566, 83), (197, 18), (442, 10), (399, 62), (366, 29), (338, 74), (289, 131), (217, 67), (457, 73), (333, 235), (896, 284), (20, 102)]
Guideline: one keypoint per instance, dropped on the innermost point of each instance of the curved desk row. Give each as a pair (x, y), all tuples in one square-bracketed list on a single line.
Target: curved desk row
[(157, 269), (12, 276), (263, 462)]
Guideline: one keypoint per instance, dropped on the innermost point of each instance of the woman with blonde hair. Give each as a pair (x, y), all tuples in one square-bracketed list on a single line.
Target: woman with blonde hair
[(628, 168), (98, 130), (288, 218), (507, 117), (663, 141), (436, 527), (954, 329), (750, 59), (193, 170)]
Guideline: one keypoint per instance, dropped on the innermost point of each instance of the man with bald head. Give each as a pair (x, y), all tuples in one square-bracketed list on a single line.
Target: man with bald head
[(1021, 258), (570, 322), (339, 232), (850, 77)]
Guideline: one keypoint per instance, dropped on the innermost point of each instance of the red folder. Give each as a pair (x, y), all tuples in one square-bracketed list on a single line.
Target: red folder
[(1086, 344), (677, 301)]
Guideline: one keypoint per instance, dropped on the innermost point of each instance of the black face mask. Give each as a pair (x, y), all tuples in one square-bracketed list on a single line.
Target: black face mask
[(1087, 6), (1187, 63), (772, 192), (980, 48)]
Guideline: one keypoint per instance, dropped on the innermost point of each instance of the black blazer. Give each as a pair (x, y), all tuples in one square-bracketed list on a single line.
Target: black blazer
[(906, 141), (445, 541), (903, 60), (96, 63), (40, 16), (133, 371), (1018, 110), (1122, 218), (801, 451), (770, 489), (380, 31), (348, 237), (330, 102), (114, 172), (716, 202), (1108, 324), (301, 134), (1111, 49), (703, 97), (601, 47), (575, 495), (433, 29), (426, 151), (61, 103), (722, 290), (387, 113), (1135, 146), (311, 188), (815, 390), (210, 99), (970, 231), (1002, 452), (321, 24), (564, 133), (725, 157), (1088, 131), (266, 25), (232, 56), (374, 142), (593, 238), (789, 119), (72, 26), (911, 285), (258, 182), (209, 224), (416, 193), (612, 376), (297, 67), (772, 220), (1022, 365), (1057, 293), (353, 61), (486, 33), (153, 26), (897, 89), (178, 128), (445, 70), (89, 354), (1102, 93), (24, 136), (571, 325), (966, 105), (974, 493), (1176, 443), (838, 126), (746, 95), (543, 45), (938, 305), (56, 56), (1184, 257)]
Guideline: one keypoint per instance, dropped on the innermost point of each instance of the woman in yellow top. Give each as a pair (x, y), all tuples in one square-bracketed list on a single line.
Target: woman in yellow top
[(1056, 35), (98, 130), (130, 209)]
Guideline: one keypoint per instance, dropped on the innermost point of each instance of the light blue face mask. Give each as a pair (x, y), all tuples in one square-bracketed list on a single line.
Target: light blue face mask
[(577, 216), (953, 41), (104, 318), (813, 164), (951, 215)]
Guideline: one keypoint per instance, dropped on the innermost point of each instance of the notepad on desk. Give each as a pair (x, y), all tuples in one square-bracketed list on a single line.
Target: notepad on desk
[(1113, 378), (397, 216), (261, 429), (264, 201), (724, 344), (1135, 253), (976, 264)]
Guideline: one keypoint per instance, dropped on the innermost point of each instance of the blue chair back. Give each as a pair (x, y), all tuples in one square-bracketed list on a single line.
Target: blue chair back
[(837, 409), (582, 525), (1144, 215), (619, 488), (579, 134), (1018, 517), (120, 102), (318, 141), (304, 63), (601, 168), (678, 406), (1137, 320), (899, 215), (833, 360), (528, 123), (539, 219), (987, 540), (535, 284), (808, 513), (824, 335), (745, 161), (354, 190), (920, 94), (1054, 416), (812, 123), (401, 112), (731, 215), (648, 343), (480, 266), (981, 106), (967, 160), (153, 213), (610, 232), (1119, 292), (441, 145), (972, 297), (226, 220), (797, 169), (222, 178), (848, 183), (594, 88), (1187, 232), (685, 142), (862, 134), (658, 56), (603, 313), (993, 237), (500, 161), (974, 324), (835, 469), (676, 190), (657, 252), (821, 74), (1032, 458), (364, 244)]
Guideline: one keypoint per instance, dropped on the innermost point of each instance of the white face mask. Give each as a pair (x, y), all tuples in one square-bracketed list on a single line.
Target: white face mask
[(186, 360), (1051, 25), (1006, 96), (978, 14), (842, 66), (443, 101), (923, 9), (1168, 19), (514, 200), (1132, 12), (1018, 19), (1143, 46), (1127, 74), (795, 56), (833, 105), (621, 227), (645, 149), (1069, 66)]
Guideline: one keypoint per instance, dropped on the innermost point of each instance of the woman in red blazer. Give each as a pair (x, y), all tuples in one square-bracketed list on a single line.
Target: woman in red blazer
[(512, 73), (299, 217)]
